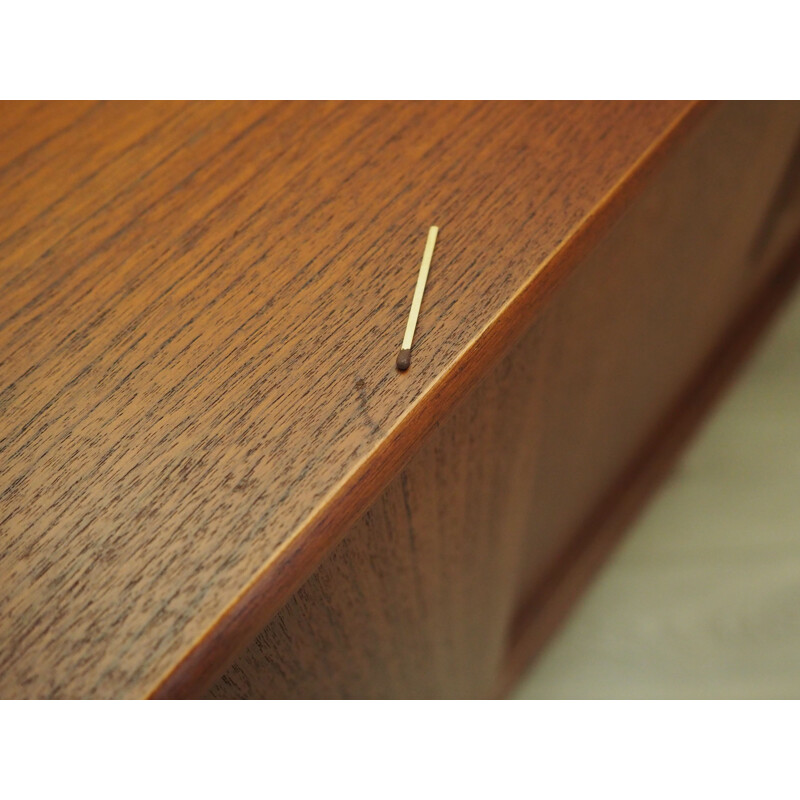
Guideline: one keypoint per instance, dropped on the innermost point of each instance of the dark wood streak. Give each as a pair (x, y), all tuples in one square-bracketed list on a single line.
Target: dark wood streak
[(46, 213), (43, 123), (178, 447)]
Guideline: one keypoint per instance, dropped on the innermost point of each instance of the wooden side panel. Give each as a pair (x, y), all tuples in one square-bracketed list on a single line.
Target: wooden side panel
[(637, 319), (418, 600), (426, 578)]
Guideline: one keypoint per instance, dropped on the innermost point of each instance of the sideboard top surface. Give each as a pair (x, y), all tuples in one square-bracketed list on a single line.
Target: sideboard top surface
[(200, 309)]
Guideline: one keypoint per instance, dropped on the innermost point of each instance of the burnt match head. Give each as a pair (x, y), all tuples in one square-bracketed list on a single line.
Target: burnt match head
[(404, 360)]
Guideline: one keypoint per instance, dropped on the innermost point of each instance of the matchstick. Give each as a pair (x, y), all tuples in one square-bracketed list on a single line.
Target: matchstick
[(404, 358)]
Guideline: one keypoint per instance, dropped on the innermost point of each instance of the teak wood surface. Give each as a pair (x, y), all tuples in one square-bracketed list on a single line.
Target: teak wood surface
[(447, 584), (200, 309)]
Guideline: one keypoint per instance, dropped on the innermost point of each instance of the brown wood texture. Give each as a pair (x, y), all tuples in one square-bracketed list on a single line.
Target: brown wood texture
[(515, 496), (200, 307)]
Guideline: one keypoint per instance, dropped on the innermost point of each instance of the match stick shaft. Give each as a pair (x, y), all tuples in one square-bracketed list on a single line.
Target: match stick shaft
[(420, 288)]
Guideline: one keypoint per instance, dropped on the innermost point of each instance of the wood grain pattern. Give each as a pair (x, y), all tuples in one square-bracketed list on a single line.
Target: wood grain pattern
[(414, 602), (512, 498), (199, 312)]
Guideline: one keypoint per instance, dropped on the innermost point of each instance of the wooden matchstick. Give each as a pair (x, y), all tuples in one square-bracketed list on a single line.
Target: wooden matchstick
[(404, 358)]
